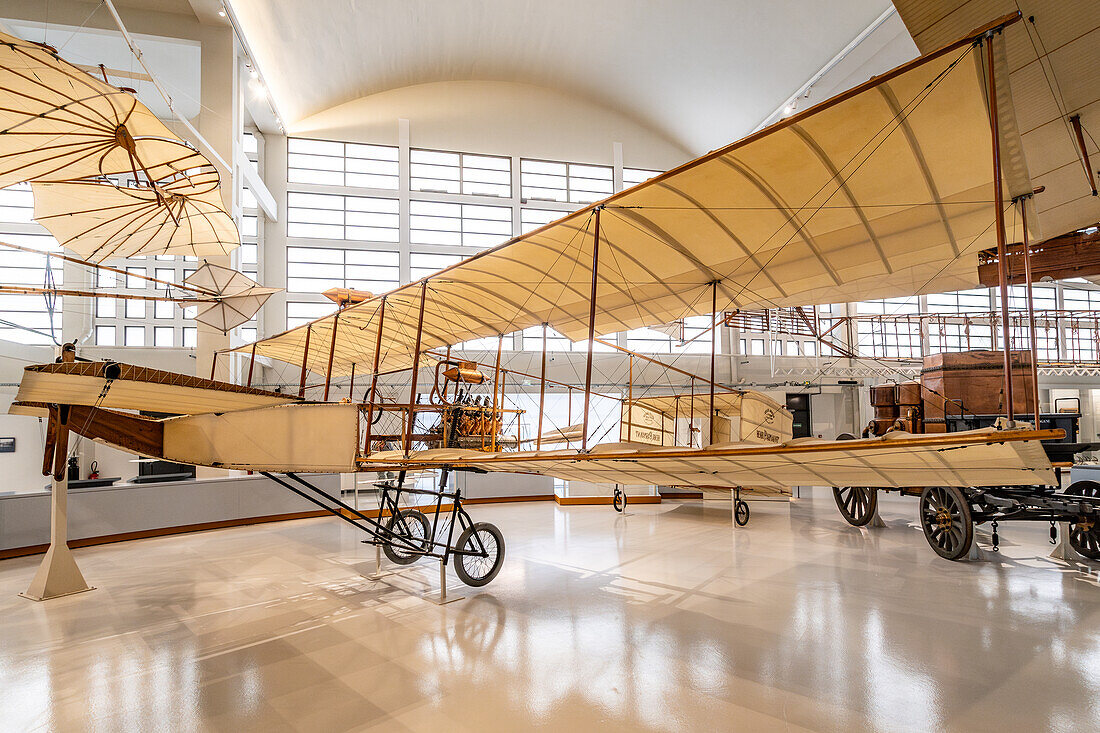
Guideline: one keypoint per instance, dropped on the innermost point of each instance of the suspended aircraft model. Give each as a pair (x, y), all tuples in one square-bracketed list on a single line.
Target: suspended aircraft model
[(110, 180), (889, 189)]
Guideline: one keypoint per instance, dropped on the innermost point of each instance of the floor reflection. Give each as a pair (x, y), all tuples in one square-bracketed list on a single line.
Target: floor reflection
[(666, 618)]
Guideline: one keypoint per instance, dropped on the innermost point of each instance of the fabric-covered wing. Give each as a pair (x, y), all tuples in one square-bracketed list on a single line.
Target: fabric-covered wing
[(885, 190), (974, 458)]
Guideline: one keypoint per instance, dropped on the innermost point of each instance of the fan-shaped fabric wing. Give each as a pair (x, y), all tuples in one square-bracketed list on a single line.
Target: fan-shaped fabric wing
[(58, 123), (99, 221)]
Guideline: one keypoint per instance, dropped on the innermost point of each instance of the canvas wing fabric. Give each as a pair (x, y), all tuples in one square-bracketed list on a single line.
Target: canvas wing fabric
[(881, 192)]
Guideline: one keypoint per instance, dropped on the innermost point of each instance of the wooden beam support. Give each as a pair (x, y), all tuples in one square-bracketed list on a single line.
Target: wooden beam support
[(591, 328), (305, 360), (416, 367), (331, 353), (251, 364), (1022, 203), (374, 375), (542, 390), (713, 350), (998, 202)]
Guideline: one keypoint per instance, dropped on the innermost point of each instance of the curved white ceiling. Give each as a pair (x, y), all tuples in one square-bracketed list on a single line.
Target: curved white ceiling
[(702, 72)]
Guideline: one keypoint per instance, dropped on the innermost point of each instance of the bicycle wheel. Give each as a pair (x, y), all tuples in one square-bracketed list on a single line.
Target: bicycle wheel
[(410, 528), (741, 512), (476, 569)]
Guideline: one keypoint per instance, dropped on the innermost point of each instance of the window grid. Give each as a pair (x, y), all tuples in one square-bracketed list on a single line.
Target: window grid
[(352, 165), (438, 171), (577, 183)]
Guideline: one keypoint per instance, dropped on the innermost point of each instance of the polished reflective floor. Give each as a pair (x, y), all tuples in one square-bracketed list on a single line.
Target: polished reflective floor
[(667, 618)]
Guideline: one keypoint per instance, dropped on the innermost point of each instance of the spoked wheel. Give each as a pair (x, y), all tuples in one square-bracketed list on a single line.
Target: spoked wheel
[(619, 500), (741, 512), (486, 544), (411, 529), (1084, 535), (857, 504), (945, 519)]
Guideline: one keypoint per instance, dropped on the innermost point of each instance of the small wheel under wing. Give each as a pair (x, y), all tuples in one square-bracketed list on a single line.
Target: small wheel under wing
[(946, 521), (1084, 534), (857, 504)]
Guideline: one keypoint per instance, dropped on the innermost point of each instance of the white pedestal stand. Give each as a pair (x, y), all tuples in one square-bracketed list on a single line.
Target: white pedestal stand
[(1064, 550), (876, 520), (58, 575), (441, 598)]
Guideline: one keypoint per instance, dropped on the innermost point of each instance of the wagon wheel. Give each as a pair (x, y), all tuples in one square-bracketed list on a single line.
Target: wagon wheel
[(741, 512), (413, 528), (857, 504), (1084, 535), (945, 519), (477, 570), (619, 500)]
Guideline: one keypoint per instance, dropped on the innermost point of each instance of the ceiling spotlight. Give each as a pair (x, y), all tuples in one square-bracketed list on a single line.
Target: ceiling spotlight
[(221, 12), (789, 109)]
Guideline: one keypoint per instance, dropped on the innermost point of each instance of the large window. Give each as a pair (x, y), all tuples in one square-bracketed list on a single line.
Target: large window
[(543, 180), (634, 176), (341, 164), (331, 216), (436, 171), (466, 225), (532, 219), (316, 269), (27, 319)]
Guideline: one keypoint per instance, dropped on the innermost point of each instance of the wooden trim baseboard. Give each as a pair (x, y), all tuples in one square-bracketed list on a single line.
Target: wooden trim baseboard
[(589, 500), (682, 495), (161, 532), (507, 499), (14, 552)]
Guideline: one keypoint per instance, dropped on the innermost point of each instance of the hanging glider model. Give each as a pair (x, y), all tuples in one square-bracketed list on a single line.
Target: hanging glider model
[(890, 189)]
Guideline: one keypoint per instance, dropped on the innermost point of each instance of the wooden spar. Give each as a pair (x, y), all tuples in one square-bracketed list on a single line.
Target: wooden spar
[(542, 390), (691, 419), (591, 329), (503, 379), (61, 447), (374, 375), (305, 358), (1002, 254), (629, 395), (496, 385), (351, 384), (713, 347), (29, 290), (1075, 120), (251, 364), (331, 353), (96, 265), (676, 420), (213, 364), (415, 367), (1022, 203)]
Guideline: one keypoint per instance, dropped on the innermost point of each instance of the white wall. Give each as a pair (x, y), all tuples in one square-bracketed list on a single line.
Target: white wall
[(501, 118)]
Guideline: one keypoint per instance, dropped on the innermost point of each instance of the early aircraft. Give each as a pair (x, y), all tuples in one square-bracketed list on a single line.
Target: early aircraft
[(891, 188)]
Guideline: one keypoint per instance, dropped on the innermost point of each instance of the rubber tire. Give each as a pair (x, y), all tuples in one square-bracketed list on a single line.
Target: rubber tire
[(466, 538), (870, 504), (618, 500), (955, 501), (400, 555), (741, 512), (1087, 543)]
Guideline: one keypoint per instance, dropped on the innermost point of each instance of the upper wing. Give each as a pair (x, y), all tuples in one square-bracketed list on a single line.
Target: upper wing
[(882, 191)]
